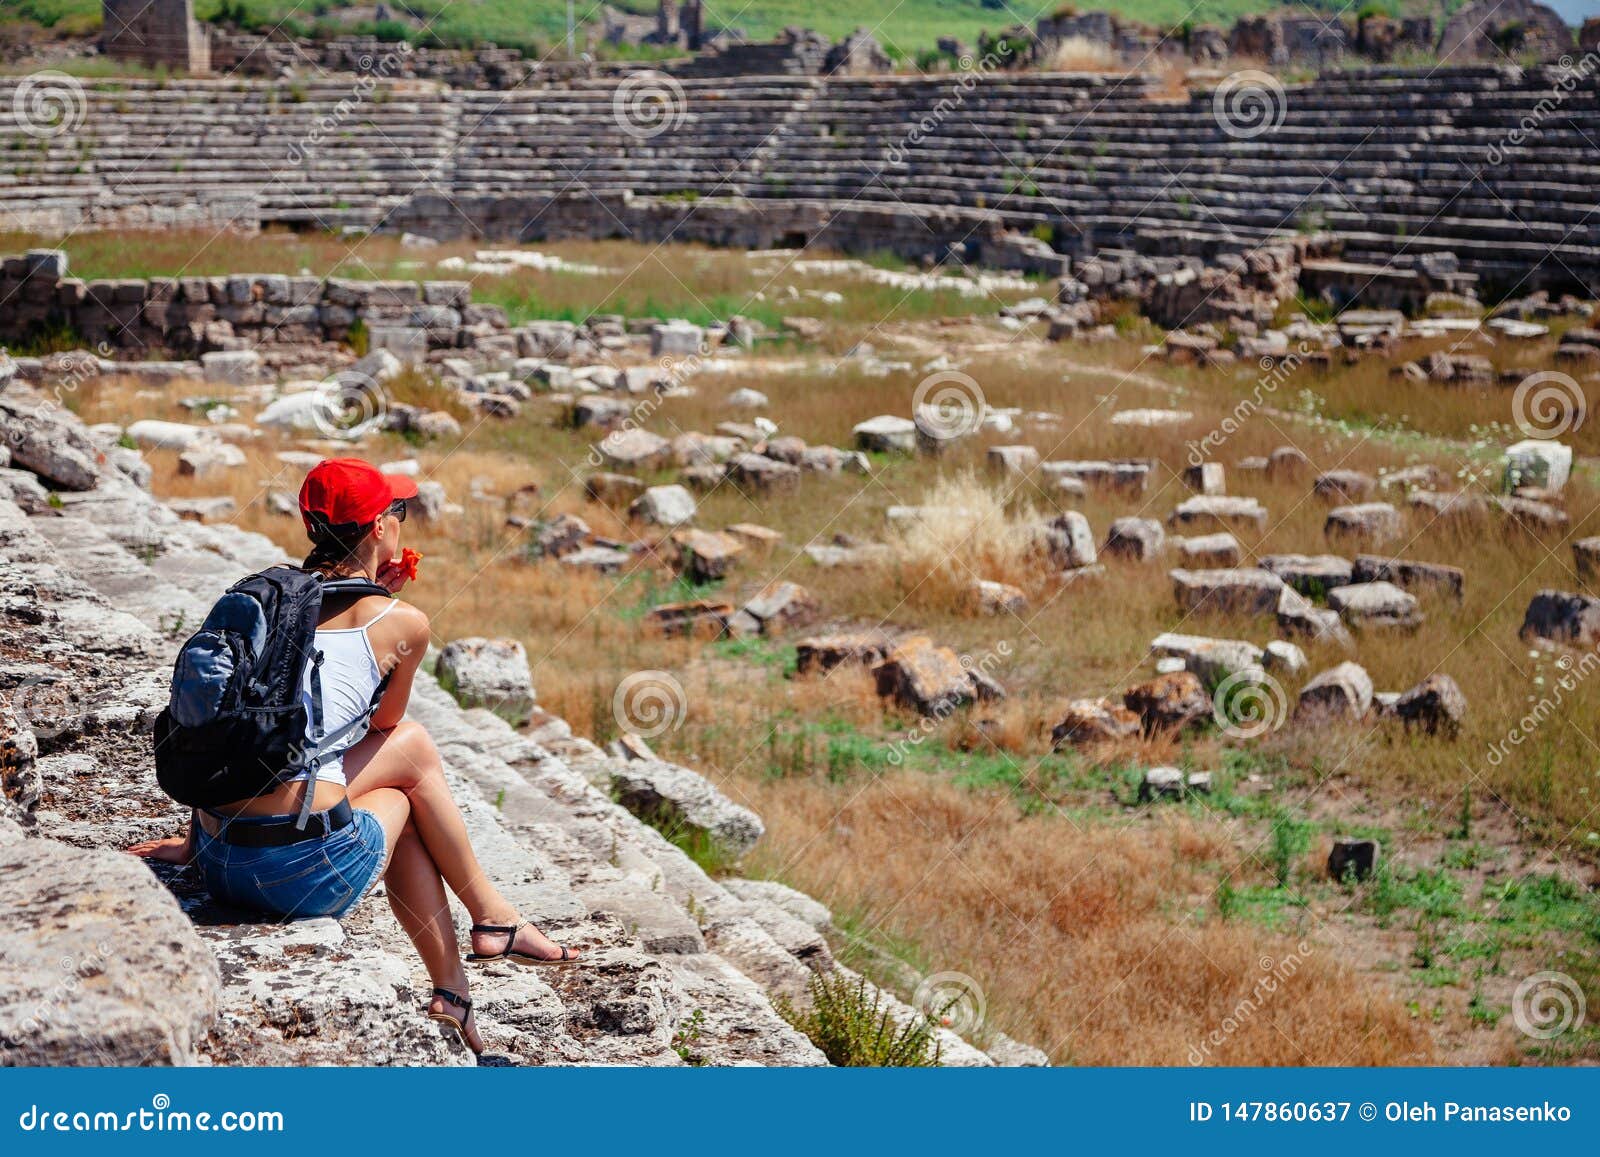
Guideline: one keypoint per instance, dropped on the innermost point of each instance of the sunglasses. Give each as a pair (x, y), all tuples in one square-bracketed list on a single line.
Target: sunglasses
[(398, 509)]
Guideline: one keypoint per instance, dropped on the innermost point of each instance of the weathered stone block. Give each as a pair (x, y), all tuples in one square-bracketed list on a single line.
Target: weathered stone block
[(102, 966), (1339, 694), (490, 673), (931, 680)]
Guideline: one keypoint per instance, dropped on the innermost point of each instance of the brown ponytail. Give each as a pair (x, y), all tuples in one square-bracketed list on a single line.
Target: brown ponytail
[(333, 546)]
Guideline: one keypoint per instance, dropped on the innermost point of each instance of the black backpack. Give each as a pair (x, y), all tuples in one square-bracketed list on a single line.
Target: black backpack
[(235, 726)]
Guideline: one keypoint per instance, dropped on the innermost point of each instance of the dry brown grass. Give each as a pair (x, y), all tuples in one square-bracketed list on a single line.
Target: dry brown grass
[(1080, 54), (1088, 639), (1091, 935), (1173, 73), (966, 532), (1085, 941), (1368, 396)]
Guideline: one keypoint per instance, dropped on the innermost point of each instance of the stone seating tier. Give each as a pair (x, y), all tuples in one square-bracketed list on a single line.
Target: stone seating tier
[(1399, 158)]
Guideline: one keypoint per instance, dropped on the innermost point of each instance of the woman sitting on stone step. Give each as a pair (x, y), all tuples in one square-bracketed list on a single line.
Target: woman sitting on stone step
[(384, 807)]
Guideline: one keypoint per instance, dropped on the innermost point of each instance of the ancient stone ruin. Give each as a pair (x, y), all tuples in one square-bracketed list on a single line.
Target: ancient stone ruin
[(1021, 171), (671, 24), (190, 315), (1510, 28), (1479, 32), (156, 33), (1319, 225)]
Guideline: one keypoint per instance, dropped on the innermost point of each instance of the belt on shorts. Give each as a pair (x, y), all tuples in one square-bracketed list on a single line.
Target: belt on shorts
[(283, 832)]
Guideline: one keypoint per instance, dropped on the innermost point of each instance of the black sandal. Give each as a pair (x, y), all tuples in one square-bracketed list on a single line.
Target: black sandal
[(509, 954), (457, 1023)]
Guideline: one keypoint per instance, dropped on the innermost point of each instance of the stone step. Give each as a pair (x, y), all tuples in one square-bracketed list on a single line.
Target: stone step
[(353, 994)]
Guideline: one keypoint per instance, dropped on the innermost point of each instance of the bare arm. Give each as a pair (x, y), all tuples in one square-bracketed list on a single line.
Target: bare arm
[(403, 642)]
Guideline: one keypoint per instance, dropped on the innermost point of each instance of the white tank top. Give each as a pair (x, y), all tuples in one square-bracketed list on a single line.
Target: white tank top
[(349, 676)]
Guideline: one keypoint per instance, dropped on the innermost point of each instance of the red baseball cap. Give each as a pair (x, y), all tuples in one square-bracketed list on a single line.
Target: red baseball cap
[(345, 491)]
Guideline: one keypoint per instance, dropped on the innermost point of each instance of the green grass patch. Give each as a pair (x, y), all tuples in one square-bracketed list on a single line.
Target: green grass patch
[(776, 657), (46, 339), (1437, 976), (687, 1036), (1289, 838), (1470, 855), (1431, 892), (908, 31), (832, 746), (713, 857), (1544, 902), (838, 749), (654, 591), (1267, 905)]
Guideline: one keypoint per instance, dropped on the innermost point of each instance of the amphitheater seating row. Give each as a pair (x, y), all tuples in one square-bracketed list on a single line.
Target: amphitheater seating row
[(1496, 163)]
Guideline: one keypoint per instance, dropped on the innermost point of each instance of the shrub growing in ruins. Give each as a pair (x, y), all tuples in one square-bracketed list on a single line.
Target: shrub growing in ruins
[(851, 1027), (713, 857), (1289, 840), (964, 528)]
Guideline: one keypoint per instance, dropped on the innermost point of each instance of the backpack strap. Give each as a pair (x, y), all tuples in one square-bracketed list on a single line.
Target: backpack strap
[(319, 741), (354, 586), (323, 741), (316, 694)]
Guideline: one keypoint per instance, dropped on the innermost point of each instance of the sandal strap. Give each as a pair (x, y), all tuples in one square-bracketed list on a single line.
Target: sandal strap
[(456, 999), (500, 929)]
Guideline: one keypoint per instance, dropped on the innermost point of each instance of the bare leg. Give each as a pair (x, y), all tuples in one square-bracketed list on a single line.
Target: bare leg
[(405, 760), (416, 893)]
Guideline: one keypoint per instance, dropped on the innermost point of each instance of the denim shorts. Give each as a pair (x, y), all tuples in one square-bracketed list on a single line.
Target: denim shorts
[(323, 877)]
